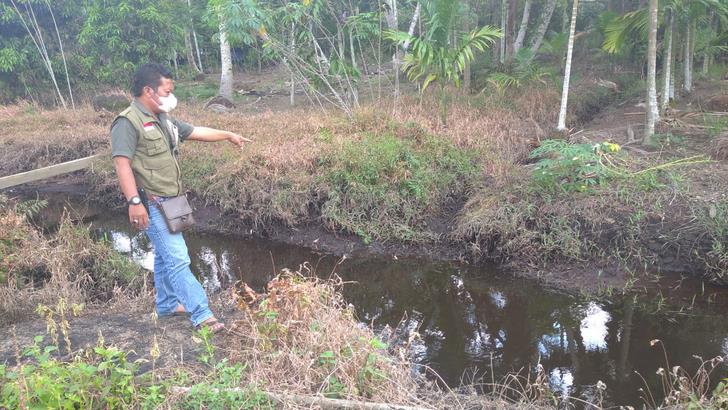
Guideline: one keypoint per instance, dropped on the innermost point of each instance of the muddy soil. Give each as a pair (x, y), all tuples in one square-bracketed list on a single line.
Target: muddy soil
[(133, 332)]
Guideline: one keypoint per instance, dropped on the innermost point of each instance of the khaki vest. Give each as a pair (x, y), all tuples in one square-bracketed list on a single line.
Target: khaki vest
[(154, 164)]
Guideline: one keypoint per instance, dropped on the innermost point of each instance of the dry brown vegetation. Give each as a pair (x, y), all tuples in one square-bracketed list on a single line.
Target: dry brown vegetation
[(284, 178), (69, 265), (301, 341), (32, 137)]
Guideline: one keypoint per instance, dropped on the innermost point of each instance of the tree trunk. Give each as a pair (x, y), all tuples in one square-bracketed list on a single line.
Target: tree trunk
[(707, 54), (466, 69), (512, 6), (293, 52), (667, 61), (352, 50), (190, 52), (226, 65), (543, 26), (567, 70), (652, 109), (688, 83), (524, 26), (673, 77), (393, 24), (198, 66), (504, 30), (197, 50), (188, 44), (413, 24)]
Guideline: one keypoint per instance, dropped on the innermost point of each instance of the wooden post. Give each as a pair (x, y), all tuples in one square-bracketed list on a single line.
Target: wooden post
[(47, 172)]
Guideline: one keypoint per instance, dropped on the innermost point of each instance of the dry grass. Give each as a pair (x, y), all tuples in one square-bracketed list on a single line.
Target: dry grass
[(302, 339), (69, 265), (277, 179), (33, 138)]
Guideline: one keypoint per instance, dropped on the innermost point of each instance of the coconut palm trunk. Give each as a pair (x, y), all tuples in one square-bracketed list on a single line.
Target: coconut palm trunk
[(393, 24), (226, 64), (706, 54), (652, 110), (688, 82), (504, 29), (667, 70), (567, 70)]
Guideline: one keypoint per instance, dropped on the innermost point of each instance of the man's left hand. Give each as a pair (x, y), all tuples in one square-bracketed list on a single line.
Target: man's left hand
[(238, 139)]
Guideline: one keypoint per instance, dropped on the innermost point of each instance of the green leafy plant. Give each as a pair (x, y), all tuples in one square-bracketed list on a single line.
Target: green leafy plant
[(523, 71), (106, 380), (207, 356), (433, 57), (370, 373), (572, 167)]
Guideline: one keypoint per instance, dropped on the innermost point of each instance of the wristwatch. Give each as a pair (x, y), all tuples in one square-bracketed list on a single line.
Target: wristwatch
[(135, 200)]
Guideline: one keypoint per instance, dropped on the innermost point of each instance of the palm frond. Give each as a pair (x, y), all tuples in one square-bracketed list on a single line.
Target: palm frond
[(619, 31)]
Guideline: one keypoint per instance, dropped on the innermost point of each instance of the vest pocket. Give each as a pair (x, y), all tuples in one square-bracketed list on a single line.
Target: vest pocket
[(155, 143)]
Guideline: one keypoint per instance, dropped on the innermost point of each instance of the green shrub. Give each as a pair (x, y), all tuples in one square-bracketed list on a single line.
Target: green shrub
[(106, 380), (382, 187), (571, 167)]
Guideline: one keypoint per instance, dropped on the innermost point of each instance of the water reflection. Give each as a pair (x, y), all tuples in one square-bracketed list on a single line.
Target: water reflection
[(471, 319)]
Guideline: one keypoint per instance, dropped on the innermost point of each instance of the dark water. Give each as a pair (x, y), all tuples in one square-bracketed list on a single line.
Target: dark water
[(474, 322)]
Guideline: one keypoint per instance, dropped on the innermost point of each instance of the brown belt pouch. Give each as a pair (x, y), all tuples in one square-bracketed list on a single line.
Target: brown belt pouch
[(178, 213)]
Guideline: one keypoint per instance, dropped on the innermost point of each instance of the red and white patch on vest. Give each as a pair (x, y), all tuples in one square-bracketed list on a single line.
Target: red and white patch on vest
[(148, 126)]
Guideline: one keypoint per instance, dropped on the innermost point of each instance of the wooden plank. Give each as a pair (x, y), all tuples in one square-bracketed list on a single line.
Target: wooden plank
[(47, 172)]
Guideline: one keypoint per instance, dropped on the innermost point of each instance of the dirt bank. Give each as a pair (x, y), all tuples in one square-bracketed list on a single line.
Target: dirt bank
[(403, 185)]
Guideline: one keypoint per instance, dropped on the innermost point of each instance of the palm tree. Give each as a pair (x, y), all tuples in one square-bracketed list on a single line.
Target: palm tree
[(667, 69), (432, 59), (652, 111), (567, 71), (632, 28)]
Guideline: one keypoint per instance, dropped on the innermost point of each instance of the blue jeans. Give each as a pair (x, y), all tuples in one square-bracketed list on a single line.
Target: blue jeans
[(173, 280)]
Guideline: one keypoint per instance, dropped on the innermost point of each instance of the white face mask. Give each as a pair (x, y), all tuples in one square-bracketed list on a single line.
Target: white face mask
[(168, 103)]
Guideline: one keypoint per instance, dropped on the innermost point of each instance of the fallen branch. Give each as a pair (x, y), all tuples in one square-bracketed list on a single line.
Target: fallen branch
[(308, 401), (697, 159)]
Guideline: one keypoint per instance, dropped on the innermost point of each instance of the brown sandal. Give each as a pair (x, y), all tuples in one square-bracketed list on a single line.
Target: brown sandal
[(212, 324)]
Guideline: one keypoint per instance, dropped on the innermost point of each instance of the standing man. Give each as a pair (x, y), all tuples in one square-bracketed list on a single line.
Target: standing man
[(144, 139)]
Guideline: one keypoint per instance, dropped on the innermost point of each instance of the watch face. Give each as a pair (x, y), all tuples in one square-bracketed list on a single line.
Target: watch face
[(135, 201)]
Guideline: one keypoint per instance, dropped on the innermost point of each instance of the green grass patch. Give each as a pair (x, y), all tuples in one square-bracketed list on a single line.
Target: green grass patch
[(383, 187), (195, 91)]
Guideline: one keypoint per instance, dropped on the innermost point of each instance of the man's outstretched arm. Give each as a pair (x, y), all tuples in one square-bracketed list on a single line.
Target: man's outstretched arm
[(206, 134)]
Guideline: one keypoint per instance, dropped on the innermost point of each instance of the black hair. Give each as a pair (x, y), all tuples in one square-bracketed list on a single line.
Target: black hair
[(149, 75)]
